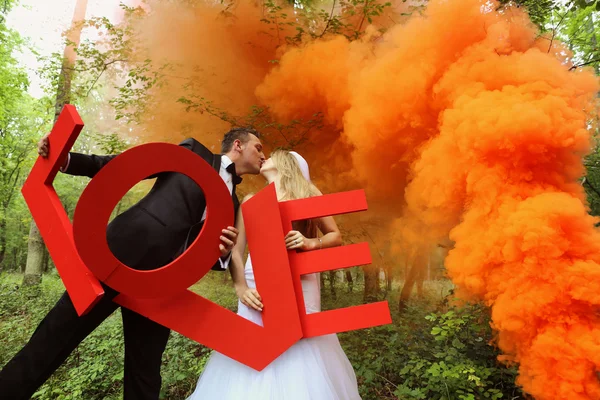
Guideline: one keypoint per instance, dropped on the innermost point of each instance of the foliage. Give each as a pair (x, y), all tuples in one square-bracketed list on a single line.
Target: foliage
[(457, 359), (591, 182), (95, 369), (275, 133), (432, 351), (579, 29), (20, 116), (345, 17)]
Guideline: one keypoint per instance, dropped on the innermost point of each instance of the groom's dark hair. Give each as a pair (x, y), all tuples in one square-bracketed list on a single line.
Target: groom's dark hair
[(241, 134)]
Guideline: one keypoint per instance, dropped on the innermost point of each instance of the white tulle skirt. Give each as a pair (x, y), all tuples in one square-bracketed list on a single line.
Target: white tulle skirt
[(312, 369)]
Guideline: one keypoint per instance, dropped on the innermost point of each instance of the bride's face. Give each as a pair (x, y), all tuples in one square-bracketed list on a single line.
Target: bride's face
[(268, 167)]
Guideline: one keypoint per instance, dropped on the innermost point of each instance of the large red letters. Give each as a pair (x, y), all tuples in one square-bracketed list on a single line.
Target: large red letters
[(82, 256), (52, 220)]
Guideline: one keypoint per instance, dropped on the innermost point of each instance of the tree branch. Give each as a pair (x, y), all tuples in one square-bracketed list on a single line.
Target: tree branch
[(584, 64), (363, 16), (554, 31), (587, 182), (329, 20), (95, 67), (95, 81)]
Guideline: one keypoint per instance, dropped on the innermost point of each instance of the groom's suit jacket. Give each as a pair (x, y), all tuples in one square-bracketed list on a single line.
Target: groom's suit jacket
[(159, 227)]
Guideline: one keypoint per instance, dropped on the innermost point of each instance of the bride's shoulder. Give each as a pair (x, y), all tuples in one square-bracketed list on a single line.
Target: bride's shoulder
[(247, 197)]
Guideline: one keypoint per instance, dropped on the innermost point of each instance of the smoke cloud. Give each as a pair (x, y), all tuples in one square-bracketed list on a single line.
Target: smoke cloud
[(461, 122)]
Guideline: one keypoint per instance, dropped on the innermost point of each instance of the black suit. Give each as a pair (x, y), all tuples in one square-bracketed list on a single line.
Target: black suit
[(149, 235)]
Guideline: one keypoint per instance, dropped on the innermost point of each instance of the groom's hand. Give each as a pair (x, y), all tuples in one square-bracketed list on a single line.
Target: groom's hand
[(43, 146), (43, 149), (228, 240)]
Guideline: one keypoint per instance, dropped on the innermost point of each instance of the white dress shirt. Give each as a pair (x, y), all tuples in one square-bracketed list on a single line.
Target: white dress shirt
[(228, 179)]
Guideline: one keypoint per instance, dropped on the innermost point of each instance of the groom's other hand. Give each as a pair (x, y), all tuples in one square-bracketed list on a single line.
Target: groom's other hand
[(228, 240), (43, 149), (43, 146)]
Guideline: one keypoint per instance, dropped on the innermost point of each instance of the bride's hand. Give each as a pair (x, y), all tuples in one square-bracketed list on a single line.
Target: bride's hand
[(250, 298), (294, 240)]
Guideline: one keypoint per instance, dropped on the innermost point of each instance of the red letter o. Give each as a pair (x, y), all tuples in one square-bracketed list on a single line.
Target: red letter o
[(112, 182)]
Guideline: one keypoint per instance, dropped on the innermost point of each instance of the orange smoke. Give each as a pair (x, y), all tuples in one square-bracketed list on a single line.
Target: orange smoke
[(207, 55), (462, 121), (483, 128)]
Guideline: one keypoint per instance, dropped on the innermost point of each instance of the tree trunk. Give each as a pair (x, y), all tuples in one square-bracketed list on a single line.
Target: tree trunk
[(415, 275), (35, 247), (16, 264), (422, 274), (332, 284), (409, 282), (388, 277), (63, 91), (45, 260), (593, 39), (371, 292), (322, 279), (35, 257), (2, 243), (349, 280)]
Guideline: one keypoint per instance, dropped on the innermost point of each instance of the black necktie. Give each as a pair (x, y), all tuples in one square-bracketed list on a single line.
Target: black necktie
[(236, 179)]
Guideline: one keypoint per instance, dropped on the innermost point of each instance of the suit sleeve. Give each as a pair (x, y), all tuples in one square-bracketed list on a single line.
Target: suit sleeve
[(89, 165), (188, 143), (86, 165)]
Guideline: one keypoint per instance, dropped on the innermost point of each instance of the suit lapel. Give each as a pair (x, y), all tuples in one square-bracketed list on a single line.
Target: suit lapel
[(236, 203), (216, 164), (215, 161)]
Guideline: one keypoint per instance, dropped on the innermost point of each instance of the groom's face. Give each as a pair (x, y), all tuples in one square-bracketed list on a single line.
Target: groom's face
[(252, 156)]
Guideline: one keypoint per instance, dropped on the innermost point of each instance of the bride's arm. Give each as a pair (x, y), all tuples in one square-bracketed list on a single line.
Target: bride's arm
[(331, 233), (331, 236), (237, 253), (247, 296)]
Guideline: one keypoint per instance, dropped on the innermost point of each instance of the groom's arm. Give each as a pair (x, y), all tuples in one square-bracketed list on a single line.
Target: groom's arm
[(85, 165), (89, 165), (75, 163)]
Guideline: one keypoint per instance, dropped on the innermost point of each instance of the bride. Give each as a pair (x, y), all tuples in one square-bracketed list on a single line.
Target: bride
[(312, 369)]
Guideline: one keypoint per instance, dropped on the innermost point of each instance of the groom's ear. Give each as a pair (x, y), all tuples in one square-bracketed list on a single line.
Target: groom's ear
[(238, 145)]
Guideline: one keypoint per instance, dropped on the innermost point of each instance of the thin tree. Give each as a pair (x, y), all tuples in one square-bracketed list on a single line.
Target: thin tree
[(36, 249)]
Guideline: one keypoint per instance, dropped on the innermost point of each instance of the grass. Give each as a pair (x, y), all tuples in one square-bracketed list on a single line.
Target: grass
[(379, 355)]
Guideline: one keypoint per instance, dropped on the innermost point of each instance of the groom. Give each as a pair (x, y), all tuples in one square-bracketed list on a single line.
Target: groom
[(149, 235)]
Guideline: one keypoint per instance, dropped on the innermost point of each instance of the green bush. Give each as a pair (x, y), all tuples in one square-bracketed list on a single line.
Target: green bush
[(431, 351), (95, 369), (455, 361)]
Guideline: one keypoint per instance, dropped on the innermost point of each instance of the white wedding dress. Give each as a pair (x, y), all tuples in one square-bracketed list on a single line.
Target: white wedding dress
[(312, 369)]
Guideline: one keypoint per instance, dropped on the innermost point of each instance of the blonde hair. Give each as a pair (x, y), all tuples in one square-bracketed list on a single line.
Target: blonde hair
[(293, 185)]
